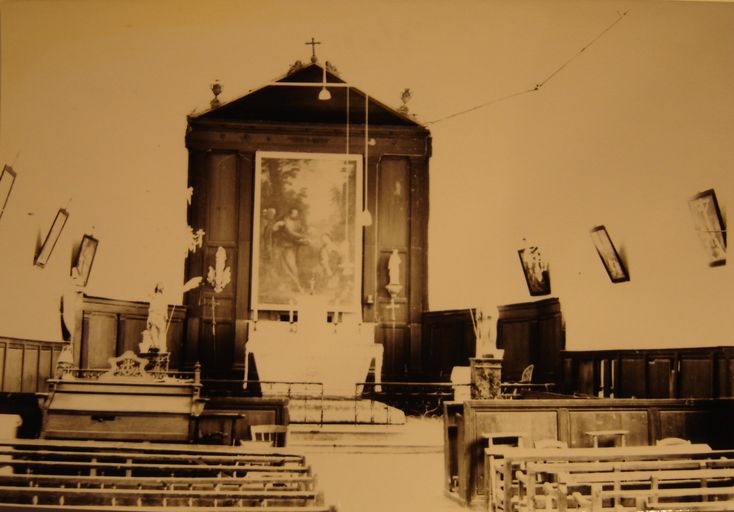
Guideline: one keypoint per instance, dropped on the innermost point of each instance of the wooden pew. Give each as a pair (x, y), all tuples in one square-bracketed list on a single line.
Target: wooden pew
[(504, 464), (76, 476), (161, 497), (688, 499), (259, 481), (589, 490), (13, 507)]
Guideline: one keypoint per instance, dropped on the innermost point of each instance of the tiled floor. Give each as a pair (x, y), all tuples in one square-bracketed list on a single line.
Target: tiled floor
[(388, 479)]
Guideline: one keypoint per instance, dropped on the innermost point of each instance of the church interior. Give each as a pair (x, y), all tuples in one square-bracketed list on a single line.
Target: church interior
[(299, 257)]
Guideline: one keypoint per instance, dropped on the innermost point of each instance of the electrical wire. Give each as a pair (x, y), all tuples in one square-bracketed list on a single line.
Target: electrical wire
[(540, 84)]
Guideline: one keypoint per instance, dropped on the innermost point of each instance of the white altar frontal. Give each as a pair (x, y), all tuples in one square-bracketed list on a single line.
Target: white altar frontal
[(309, 352)]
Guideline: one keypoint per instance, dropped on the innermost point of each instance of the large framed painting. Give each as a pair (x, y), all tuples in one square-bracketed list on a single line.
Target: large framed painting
[(536, 272), (709, 225), (609, 256), (44, 253), (306, 238), (85, 258), (7, 178)]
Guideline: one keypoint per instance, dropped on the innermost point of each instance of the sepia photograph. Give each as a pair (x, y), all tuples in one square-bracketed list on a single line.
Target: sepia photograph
[(263, 255)]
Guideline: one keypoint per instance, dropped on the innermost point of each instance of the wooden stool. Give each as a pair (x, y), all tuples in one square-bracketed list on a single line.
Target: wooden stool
[(596, 434)]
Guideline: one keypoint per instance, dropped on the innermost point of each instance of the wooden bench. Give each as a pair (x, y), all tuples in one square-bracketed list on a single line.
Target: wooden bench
[(75, 476), (14, 507), (504, 465), (582, 489), (689, 499)]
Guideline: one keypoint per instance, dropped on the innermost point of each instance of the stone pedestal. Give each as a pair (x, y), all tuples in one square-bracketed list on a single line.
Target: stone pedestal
[(485, 377)]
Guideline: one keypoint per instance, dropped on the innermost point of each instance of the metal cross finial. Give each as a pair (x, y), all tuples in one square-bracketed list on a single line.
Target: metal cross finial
[(313, 42)]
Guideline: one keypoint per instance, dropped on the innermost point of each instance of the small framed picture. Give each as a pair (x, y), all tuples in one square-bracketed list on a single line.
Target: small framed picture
[(709, 224), (609, 256), (51, 238), (535, 270), (7, 178), (85, 258)]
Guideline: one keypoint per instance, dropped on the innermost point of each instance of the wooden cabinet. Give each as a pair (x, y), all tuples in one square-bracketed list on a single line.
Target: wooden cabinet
[(531, 333)]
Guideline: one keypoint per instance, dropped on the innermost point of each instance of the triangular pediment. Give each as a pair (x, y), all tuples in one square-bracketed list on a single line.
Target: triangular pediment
[(299, 103)]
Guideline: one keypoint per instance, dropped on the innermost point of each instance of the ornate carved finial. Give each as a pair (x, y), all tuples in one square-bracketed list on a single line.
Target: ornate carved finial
[(295, 67), (216, 88), (405, 97), (313, 42), (331, 68)]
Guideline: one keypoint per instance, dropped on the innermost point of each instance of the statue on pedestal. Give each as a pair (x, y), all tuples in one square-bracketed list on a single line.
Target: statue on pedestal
[(393, 272)]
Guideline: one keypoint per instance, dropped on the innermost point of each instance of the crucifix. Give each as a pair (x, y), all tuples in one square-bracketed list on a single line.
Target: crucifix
[(313, 42)]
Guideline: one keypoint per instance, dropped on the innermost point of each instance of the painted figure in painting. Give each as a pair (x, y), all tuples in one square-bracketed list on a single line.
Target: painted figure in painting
[(288, 236)]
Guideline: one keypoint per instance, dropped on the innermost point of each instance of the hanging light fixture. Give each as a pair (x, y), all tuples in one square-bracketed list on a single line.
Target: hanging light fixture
[(365, 215), (324, 94)]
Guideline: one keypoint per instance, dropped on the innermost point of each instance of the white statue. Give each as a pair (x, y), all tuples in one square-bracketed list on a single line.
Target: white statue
[(154, 335), (393, 268)]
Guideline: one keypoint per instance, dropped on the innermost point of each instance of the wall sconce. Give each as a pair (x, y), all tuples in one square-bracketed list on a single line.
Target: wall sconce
[(7, 178)]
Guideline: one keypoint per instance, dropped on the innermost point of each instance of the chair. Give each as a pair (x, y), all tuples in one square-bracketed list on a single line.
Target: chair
[(511, 389), (527, 374), (276, 435)]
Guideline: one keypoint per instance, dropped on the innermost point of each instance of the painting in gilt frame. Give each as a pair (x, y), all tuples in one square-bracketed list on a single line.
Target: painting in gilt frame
[(536, 272), (709, 225), (306, 238), (52, 237), (85, 258), (7, 178), (613, 264)]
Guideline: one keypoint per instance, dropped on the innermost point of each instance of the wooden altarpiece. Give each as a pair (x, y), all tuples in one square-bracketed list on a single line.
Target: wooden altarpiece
[(225, 145)]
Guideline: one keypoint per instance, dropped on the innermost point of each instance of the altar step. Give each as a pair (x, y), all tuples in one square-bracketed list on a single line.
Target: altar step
[(362, 438), (343, 411)]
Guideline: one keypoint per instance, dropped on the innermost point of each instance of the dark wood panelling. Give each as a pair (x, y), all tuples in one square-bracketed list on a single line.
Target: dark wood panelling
[(634, 421), (696, 376), (222, 192), (396, 343), (631, 377), (129, 333), (695, 426), (448, 341), (99, 339), (660, 377), (705, 372), (394, 203), (531, 333), (26, 364), (111, 326)]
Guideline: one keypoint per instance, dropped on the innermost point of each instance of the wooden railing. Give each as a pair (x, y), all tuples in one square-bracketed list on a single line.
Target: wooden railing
[(26, 364)]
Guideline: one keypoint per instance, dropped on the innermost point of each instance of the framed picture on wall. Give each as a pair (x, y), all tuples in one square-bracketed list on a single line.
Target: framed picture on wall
[(7, 178), (85, 258), (52, 237), (306, 238), (709, 224), (536, 272), (613, 264)]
